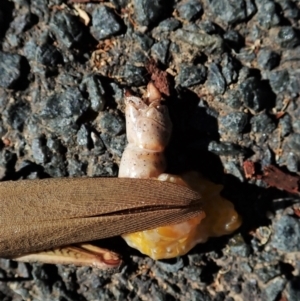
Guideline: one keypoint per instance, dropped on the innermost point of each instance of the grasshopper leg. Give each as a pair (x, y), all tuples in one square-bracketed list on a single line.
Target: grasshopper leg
[(79, 255)]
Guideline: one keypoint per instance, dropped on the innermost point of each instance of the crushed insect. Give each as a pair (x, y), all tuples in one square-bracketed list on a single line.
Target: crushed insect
[(148, 132)]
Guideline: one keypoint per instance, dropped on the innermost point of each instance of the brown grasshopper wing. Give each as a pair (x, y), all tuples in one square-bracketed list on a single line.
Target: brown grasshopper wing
[(37, 215)]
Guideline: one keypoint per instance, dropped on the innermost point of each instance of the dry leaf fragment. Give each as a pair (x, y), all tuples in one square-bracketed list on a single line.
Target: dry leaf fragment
[(249, 169), (160, 78), (275, 177)]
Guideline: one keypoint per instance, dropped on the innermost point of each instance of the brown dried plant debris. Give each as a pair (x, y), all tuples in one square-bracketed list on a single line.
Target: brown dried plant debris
[(275, 177), (159, 77), (249, 169)]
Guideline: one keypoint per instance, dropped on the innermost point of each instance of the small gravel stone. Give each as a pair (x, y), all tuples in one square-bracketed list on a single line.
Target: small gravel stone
[(234, 169), (225, 148), (160, 51), (262, 123), (67, 28), (143, 40), (251, 94), (17, 114), (203, 41), (286, 235), (286, 36), (111, 123), (148, 12), (268, 272), (189, 10), (234, 122), (134, 76), (168, 24), (233, 99), (229, 69), (268, 59), (290, 9), (238, 246), (10, 69), (285, 124), (115, 145), (23, 21), (234, 39), (293, 162), (83, 136), (96, 92), (232, 11), (268, 15), (215, 80), (279, 80), (39, 150), (273, 289), (67, 104), (48, 55), (294, 142), (105, 23), (190, 75)]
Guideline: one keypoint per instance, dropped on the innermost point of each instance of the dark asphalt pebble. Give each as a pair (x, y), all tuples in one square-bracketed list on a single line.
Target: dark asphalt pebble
[(96, 92), (189, 9), (232, 11), (238, 246), (262, 123), (116, 145), (67, 28), (148, 12), (273, 289), (285, 124), (215, 80), (134, 75), (83, 136), (268, 14), (268, 59), (190, 75), (39, 150), (233, 168), (233, 99), (203, 41), (159, 51), (286, 235), (111, 123), (168, 24), (17, 114), (105, 23), (234, 39), (48, 55), (10, 69), (225, 148), (290, 9), (286, 37), (294, 142), (69, 104), (229, 69), (234, 122), (279, 80), (251, 94)]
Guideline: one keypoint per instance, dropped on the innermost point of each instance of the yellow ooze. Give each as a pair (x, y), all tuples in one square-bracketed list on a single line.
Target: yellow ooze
[(219, 218)]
